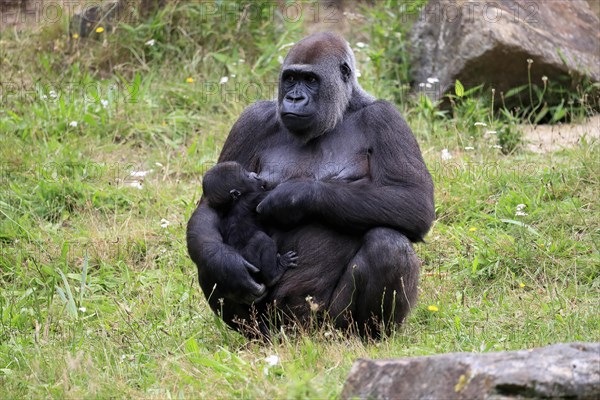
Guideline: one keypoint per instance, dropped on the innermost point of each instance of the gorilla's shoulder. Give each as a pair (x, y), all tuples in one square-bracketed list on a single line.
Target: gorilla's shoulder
[(384, 121), (257, 124), (262, 112), (379, 112), (380, 106), (258, 120)]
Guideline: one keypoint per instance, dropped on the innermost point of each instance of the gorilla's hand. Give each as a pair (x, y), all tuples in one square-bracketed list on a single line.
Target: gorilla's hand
[(289, 202), (236, 281)]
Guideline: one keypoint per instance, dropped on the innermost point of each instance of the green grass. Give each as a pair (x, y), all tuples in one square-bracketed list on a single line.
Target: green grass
[(98, 297)]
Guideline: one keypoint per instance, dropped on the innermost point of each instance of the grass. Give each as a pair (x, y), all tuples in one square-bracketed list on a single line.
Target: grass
[(98, 296)]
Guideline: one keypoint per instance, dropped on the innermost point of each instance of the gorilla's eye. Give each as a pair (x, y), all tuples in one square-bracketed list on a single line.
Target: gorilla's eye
[(289, 78), (311, 79)]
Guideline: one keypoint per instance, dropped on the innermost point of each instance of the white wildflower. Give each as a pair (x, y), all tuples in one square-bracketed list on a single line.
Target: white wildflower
[(490, 132), (223, 80), (82, 309), (428, 85), (272, 360), (164, 223), (433, 80), (53, 94), (446, 155), (73, 124), (150, 42), (469, 148), (496, 146), (480, 124), (104, 103), (139, 174), (421, 85), (232, 75), (520, 212), (135, 184), (360, 45), (358, 74)]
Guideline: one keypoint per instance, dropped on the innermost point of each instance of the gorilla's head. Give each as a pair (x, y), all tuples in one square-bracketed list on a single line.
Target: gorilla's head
[(317, 84), (226, 182)]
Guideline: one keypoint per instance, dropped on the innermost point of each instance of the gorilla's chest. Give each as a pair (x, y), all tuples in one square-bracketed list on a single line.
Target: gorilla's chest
[(336, 155)]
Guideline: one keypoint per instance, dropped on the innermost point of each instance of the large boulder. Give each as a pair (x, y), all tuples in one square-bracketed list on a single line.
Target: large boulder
[(566, 371), (490, 43), (106, 14)]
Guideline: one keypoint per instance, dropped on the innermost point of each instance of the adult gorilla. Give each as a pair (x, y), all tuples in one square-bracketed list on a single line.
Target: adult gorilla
[(351, 191)]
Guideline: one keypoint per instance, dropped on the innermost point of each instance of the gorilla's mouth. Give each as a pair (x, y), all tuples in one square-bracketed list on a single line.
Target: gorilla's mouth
[(294, 115), (298, 124)]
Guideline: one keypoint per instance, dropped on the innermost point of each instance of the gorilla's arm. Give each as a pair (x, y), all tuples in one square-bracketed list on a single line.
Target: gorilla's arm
[(399, 193), (217, 261)]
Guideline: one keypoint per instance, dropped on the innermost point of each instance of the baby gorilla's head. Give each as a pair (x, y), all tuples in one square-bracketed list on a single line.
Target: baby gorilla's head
[(227, 181)]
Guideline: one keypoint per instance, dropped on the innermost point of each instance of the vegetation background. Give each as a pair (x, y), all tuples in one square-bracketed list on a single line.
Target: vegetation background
[(104, 142)]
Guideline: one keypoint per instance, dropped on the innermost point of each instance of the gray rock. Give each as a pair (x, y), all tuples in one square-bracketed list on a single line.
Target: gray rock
[(92, 16), (558, 371), (489, 42)]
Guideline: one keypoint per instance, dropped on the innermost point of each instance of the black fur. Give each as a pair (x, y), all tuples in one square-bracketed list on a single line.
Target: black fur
[(352, 192), (234, 193)]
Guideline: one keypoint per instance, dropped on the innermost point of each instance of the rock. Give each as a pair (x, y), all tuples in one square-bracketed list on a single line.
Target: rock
[(490, 43), (98, 15), (558, 371), (108, 13)]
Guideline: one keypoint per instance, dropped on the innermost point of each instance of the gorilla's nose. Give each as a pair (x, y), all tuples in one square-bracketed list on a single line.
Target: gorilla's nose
[(296, 98)]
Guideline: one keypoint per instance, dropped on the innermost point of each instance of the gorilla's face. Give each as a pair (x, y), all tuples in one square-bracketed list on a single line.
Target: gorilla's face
[(242, 182), (298, 109), (226, 182), (316, 85)]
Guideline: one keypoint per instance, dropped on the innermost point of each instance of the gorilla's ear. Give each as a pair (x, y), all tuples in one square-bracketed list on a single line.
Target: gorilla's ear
[(235, 194), (346, 72)]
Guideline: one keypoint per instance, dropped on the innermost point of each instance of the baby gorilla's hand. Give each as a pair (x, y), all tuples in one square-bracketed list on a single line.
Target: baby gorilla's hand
[(288, 260)]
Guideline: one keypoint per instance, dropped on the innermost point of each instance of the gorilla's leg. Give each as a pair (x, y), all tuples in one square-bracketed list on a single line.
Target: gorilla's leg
[(379, 285)]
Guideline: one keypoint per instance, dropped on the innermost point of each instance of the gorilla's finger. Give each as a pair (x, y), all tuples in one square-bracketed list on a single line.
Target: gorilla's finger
[(254, 292), (291, 254), (260, 207), (261, 293), (250, 267)]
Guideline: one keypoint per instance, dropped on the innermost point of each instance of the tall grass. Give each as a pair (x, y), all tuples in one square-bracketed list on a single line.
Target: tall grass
[(104, 141)]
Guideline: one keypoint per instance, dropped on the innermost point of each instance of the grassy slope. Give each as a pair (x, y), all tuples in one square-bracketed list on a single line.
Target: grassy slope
[(139, 325)]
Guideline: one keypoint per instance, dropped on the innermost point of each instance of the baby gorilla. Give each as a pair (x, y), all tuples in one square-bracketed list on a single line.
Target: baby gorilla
[(234, 193)]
